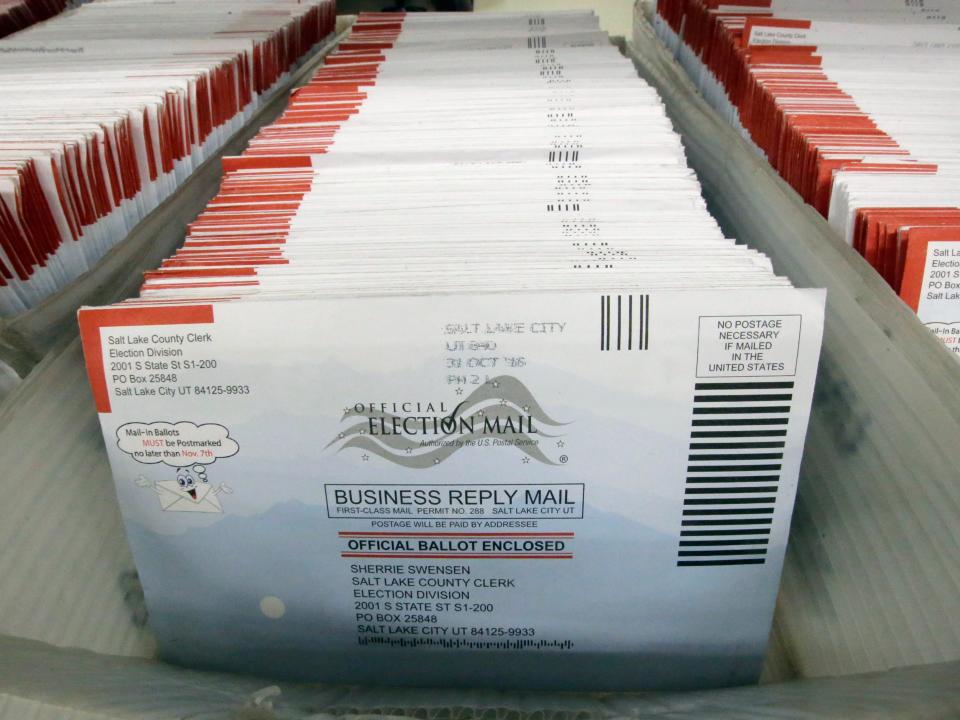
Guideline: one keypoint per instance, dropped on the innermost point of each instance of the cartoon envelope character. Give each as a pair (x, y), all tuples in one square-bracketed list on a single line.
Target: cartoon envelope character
[(190, 492), (174, 498)]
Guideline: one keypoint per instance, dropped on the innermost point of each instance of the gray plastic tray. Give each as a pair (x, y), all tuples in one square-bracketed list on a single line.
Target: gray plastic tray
[(872, 573)]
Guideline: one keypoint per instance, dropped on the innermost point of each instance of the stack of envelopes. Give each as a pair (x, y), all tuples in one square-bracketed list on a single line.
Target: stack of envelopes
[(457, 382), (858, 108), (108, 108), (16, 15)]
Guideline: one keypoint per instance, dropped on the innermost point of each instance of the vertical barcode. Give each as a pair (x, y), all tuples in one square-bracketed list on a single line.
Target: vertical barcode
[(737, 443), (563, 156), (624, 322)]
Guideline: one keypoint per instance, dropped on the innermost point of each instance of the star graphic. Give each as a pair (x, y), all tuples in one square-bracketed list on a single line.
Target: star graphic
[(479, 413), (560, 443), (525, 460), (459, 391), (502, 403), (436, 461), (346, 411), (496, 384), (409, 450), (365, 457), (363, 432), (526, 408), (341, 436)]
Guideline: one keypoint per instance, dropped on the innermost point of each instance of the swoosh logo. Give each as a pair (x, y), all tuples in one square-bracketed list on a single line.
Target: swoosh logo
[(492, 410)]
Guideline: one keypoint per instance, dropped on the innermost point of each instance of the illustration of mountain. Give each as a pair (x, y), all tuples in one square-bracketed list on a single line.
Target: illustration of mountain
[(270, 595)]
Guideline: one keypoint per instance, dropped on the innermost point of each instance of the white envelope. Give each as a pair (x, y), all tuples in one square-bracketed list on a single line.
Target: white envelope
[(176, 499)]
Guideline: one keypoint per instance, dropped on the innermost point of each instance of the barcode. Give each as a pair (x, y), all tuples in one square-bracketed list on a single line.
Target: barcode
[(624, 322), (733, 472), (537, 41), (564, 155)]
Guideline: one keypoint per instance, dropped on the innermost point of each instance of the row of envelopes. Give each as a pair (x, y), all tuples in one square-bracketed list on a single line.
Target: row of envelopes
[(565, 169), (459, 325), (15, 15), (108, 108), (857, 106)]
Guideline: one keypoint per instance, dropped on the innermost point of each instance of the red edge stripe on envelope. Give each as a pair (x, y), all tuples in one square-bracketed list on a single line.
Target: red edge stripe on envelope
[(92, 319)]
